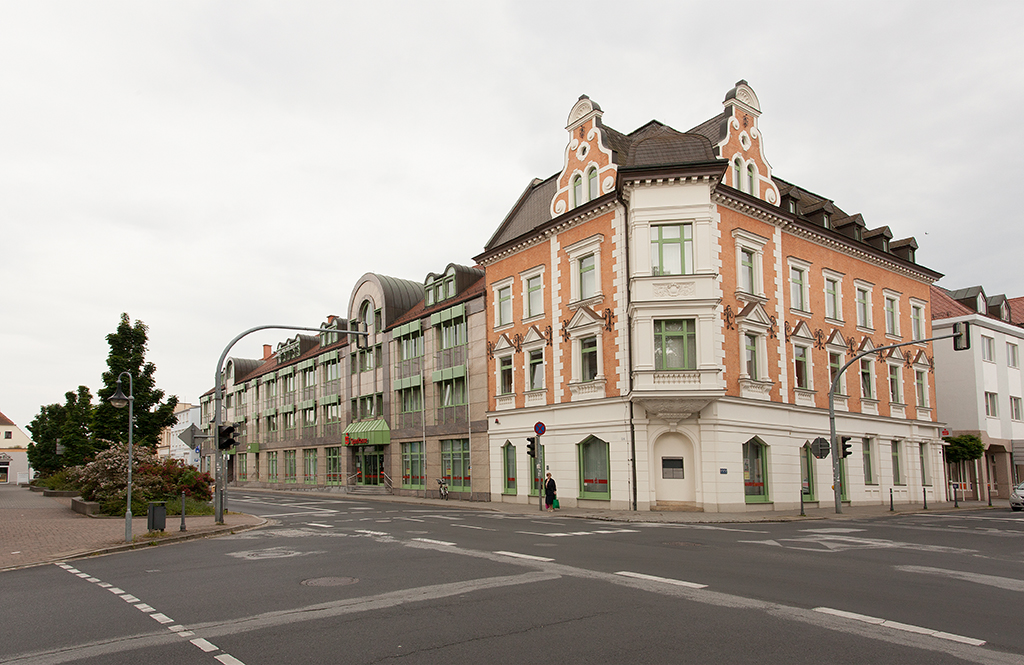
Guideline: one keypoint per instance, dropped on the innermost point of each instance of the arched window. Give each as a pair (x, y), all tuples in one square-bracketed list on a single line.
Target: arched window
[(366, 314), (736, 171), (577, 191), (751, 179), (592, 184)]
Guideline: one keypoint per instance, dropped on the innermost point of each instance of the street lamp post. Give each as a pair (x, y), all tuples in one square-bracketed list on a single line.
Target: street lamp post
[(118, 400)]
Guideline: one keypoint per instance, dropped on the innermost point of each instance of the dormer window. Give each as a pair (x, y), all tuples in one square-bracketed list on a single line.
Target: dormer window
[(792, 206), (825, 221), (885, 244)]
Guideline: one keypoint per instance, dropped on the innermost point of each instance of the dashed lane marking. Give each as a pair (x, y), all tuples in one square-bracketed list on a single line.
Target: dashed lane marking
[(896, 625), (664, 580), (530, 557), (434, 542)]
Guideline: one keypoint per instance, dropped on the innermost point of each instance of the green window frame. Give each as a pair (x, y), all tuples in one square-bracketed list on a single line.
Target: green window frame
[(863, 307), (290, 466), (455, 464), (504, 305), (453, 332), (746, 270), (897, 464), (801, 366), (672, 249), (750, 350), (675, 344), (891, 320), (752, 180), (835, 363), (534, 296), (798, 285), (588, 358), (272, 476), (452, 392), (867, 379), (414, 475), (309, 466), (923, 456), (594, 466), (587, 271), (592, 184), (755, 472), (508, 457), (410, 346), (505, 385), (577, 191), (335, 475), (536, 463), (869, 467), (917, 321), (895, 384), (832, 299), (535, 369), (241, 470), (807, 473), (411, 399), (921, 387)]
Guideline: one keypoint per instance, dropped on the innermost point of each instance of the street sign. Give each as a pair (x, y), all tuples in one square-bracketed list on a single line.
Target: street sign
[(540, 429), (820, 447)]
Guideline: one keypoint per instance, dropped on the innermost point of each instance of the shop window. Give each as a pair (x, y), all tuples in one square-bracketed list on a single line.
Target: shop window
[(594, 466), (755, 471)]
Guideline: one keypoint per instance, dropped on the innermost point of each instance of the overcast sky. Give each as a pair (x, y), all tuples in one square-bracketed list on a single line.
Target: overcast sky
[(208, 167)]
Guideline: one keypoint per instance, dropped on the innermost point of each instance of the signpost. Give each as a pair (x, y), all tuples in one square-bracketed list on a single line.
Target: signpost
[(539, 430), (820, 447)]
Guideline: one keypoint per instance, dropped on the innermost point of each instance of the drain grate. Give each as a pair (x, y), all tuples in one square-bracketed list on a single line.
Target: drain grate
[(683, 543), (330, 581)]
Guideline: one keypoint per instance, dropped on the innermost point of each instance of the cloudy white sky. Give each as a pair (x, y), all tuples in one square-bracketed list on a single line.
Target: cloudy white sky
[(210, 166)]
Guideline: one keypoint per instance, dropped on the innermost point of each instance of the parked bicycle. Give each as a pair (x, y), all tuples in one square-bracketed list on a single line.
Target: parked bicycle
[(442, 487)]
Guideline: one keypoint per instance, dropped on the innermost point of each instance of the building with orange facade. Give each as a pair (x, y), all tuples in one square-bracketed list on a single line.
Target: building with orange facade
[(673, 314)]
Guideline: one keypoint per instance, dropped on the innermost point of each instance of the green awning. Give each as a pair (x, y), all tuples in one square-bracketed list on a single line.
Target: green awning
[(368, 433)]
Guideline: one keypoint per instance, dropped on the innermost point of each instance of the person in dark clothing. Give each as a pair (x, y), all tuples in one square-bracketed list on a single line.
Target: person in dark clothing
[(550, 491)]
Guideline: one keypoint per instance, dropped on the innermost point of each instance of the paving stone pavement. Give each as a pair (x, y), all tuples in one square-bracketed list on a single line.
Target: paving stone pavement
[(36, 529)]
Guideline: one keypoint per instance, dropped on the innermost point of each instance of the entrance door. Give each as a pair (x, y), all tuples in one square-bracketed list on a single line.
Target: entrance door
[(370, 464)]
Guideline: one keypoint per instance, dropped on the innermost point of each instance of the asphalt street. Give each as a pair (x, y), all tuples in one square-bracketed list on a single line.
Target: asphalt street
[(339, 580)]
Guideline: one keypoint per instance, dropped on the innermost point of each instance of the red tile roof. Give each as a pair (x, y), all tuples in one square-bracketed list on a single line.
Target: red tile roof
[(944, 307), (6, 422)]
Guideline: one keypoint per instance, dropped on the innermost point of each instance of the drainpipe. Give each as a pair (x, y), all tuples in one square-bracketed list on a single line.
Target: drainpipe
[(629, 357)]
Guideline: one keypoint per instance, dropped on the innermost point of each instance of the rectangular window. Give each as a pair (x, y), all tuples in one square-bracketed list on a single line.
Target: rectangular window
[(832, 299), (863, 307), (290, 466), (675, 344), (801, 366), (895, 384), (867, 382), (798, 284), (453, 333), (534, 296), (272, 467), (594, 466), (992, 405), (897, 471), (917, 321), (504, 306), (453, 391), (672, 249), (309, 417), (835, 363), (411, 399), (1016, 409), (588, 358), (588, 276), (505, 375), (413, 465), (410, 346), (536, 370), (672, 467), (289, 383), (1011, 355), (309, 466), (869, 467), (289, 419), (747, 281), (923, 454), (455, 463), (334, 472), (332, 370), (892, 316), (241, 470), (988, 349), (750, 355), (921, 386)]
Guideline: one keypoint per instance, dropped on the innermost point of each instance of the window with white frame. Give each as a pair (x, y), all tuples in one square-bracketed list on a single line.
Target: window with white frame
[(917, 322), (836, 360), (895, 384), (1012, 359), (863, 296), (867, 378), (749, 262), (798, 286), (892, 313), (833, 296), (751, 179), (921, 387), (991, 405), (1016, 408), (753, 355), (505, 384), (675, 344), (923, 457), (502, 292), (588, 358), (533, 295), (585, 268), (535, 370), (672, 249), (802, 366), (897, 463), (988, 349), (577, 191), (869, 467)]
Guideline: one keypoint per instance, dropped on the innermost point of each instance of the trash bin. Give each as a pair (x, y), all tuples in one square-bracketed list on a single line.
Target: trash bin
[(156, 518)]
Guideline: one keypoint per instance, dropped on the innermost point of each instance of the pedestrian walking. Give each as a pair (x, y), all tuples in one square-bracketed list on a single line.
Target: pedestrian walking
[(550, 493)]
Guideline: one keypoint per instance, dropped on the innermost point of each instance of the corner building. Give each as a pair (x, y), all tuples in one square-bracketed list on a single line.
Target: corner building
[(673, 314)]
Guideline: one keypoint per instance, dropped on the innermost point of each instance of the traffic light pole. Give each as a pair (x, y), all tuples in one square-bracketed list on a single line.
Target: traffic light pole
[(836, 463), (219, 486)]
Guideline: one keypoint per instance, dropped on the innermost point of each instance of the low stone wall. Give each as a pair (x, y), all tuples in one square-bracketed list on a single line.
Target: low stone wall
[(85, 507)]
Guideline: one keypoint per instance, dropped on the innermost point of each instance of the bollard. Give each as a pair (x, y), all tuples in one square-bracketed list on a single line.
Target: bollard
[(182, 512), (891, 508), (802, 513), (925, 491), (989, 495), (956, 504)]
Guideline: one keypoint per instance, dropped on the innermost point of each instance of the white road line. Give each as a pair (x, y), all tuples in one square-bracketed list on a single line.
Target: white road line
[(525, 556), (128, 598), (373, 533), (322, 526), (1008, 583), (316, 513), (434, 542), (228, 659), (665, 580), (143, 607), (161, 618), (204, 645), (470, 526), (563, 534), (896, 625), (114, 590)]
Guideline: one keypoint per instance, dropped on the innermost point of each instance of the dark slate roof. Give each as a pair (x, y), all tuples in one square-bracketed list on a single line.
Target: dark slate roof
[(714, 129), (660, 145), (531, 210), (419, 310)]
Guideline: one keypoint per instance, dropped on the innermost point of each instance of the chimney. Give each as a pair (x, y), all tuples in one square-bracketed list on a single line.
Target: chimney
[(267, 351)]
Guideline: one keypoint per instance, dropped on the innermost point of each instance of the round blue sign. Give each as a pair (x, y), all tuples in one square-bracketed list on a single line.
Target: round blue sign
[(539, 429)]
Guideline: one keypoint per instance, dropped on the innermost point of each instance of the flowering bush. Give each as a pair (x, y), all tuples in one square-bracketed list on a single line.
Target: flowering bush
[(105, 480)]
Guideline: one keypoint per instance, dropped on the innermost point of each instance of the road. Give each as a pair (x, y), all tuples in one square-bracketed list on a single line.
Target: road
[(349, 581)]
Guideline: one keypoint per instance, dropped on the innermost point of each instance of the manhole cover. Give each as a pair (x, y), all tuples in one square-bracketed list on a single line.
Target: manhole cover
[(682, 543), (330, 581)]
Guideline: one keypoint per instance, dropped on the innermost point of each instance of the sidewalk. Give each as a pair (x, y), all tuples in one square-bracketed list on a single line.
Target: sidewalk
[(827, 511), (35, 529)]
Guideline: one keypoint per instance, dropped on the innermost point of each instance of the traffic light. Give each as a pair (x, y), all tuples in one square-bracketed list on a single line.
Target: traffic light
[(362, 340), (844, 447), (226, 437), (531, 445), (961, 336)]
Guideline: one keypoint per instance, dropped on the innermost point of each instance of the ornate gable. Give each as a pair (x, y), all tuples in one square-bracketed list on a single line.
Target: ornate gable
[(748, 171), (588, 171)]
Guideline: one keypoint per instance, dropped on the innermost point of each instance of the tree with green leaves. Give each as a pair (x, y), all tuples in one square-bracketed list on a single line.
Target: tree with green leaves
[(152, 412), (961, 449), (68, 423)]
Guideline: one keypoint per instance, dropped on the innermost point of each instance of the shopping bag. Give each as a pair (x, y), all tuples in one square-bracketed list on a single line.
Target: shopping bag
[(555, 504)]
